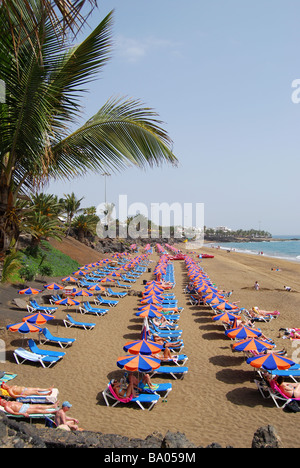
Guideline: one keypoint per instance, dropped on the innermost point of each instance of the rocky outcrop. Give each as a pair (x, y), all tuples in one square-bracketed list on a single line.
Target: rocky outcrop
[(16, 434), (266, 437)]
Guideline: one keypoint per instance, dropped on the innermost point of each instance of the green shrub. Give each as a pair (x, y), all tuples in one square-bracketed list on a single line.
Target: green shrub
[(28, 272)]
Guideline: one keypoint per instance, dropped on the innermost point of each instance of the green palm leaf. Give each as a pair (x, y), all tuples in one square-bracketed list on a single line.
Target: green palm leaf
[(122, 133)]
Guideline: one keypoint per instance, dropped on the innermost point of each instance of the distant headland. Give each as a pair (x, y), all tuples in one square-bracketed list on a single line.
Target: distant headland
[(223, 234)]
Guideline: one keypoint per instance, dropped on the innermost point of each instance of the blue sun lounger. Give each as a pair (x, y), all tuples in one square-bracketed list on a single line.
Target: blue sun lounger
[(165, 333), (43, 352), (141, 400), (63, 342), (177, 372), (293, 372), (101, 301), (110, 292), (22, 355), (70, 322), (34, 306), (86, 308), (126, 286)]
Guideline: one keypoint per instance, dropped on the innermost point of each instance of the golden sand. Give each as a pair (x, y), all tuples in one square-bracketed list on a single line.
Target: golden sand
[(217, 401)]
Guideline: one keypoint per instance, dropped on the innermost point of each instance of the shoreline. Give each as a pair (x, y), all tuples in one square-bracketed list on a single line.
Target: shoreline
[(222, 246), (230, 412)]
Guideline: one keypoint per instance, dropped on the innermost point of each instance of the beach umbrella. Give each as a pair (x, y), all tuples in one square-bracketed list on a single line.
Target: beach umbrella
[(53, 286), (252, 344), (67, 301), (79, 273), (106, 279), (114, 274), (82, 292), (225, 306), (29, 291), (243, 332), (69, 279), (148, 313), (142, 347), (153, 307), (23, 327), (270, 362), (150, 300), (38, 318), (138, 362), (214, 300), (226, 317), (96, 287)]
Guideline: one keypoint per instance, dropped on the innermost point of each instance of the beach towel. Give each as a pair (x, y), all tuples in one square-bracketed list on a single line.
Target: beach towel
[(122, 400), (6, 376)]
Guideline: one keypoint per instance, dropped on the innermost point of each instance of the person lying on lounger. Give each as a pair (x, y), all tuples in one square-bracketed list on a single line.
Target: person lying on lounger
[(263, 313), (293, 333), (62, 421), (124, 391), (291, 390), (16, 391), (20, 409), (146, 381), (161, 322), (165, 343)]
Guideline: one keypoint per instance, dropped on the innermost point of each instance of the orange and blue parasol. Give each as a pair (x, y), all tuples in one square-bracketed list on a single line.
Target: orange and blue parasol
[(270, 362)]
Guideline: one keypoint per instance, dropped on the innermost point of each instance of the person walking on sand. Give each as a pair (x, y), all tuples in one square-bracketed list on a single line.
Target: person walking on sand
[(256, 286)]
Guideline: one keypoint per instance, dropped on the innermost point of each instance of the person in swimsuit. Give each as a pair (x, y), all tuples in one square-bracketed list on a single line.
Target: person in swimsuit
[(165, 343), (16, 391), (291, 390), (17, 408), (62, 421), (123, 391)]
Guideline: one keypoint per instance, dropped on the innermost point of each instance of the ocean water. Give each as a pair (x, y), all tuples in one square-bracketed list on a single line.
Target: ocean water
[(287, 249)]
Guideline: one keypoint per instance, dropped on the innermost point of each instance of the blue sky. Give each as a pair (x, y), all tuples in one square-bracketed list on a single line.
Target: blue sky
[(219, 74)]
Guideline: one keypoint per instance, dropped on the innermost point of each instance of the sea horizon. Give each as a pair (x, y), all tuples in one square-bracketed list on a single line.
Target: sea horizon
[(279, 247)]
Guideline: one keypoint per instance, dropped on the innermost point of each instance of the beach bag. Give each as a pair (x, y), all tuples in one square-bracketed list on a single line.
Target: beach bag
[(292, 407)]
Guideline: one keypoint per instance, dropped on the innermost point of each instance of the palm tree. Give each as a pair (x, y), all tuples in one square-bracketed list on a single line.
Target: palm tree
[(11, 264), (65, 15), (44, 85), (85, 224), (41, 227), (71, 206)]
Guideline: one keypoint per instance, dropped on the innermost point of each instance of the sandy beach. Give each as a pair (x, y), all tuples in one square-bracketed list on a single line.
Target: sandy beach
[(217, 401)]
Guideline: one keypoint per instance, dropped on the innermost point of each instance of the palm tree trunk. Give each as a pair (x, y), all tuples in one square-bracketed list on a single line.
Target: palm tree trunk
[(6, 233)]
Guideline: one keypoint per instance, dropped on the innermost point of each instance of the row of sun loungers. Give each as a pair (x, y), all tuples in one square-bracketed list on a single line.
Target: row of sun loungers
[(150, 397), (45, 357)]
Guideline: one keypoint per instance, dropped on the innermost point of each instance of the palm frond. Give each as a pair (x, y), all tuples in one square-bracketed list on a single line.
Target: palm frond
[(65, 16), (123, 133)]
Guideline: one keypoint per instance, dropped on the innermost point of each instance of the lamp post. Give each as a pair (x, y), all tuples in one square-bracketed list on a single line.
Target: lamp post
[(105, 174)]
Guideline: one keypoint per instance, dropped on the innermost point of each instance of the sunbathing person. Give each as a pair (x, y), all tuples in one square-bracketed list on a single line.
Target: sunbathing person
[(17, 408), (123, 391), (166, 284), (161, 322), (142, 383), (166, 343), (16, 391), (291, 390), (264, 313), (166, 356), (62, 421)]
